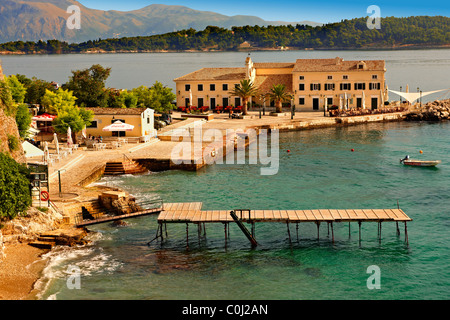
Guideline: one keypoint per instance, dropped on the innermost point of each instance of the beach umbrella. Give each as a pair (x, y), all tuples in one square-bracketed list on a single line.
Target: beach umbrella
[(326, 104), (345, 101), (69, 137), (46, 152), (363, 100), (190, 97), (83, 132), (56, 143), (340, 102), (382, 98), (119, 126)]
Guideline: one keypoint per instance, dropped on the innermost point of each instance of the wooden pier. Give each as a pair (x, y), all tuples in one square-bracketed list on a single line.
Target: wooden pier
[(111, 218), (192, 213)]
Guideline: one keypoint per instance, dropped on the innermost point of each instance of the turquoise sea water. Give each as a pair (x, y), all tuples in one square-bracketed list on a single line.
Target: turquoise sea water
[(319, 172)]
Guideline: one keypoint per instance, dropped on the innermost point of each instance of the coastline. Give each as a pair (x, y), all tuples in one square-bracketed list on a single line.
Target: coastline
[(23, 265), (19, 271), (253, 49)]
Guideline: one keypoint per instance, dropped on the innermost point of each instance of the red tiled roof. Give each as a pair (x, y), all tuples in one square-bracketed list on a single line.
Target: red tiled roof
[(214, 74), (336, 65), (265, 82), (273, 65), (117, 111)]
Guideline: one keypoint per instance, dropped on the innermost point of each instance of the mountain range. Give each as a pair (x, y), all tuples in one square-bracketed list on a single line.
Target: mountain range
[(33, 20)]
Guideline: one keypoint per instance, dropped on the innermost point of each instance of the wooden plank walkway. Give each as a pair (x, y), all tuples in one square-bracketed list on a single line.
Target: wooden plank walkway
[(192, 213), (85, 223)]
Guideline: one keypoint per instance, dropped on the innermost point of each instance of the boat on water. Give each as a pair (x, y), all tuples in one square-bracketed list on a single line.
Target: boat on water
[(419, 163)]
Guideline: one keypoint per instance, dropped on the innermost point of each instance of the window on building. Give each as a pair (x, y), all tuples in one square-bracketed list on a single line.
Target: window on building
[(329, 77), (200, 102), (360, 86), (345, 86), (301, 101), (374, 86), (187, 87), (212, 87), (200, 87), (301, 86), (93, 124), (345, 77), (315, 86), (329, 101), (374, 76), (329, 86), (301, 78), (225, 87)]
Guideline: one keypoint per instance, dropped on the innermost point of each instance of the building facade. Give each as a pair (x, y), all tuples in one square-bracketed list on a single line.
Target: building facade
[(142, 119), (314, 84)]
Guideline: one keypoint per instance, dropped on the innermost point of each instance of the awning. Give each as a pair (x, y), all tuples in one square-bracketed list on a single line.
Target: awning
[(31, 151), (44, 117), (119, 126), (413, 96)]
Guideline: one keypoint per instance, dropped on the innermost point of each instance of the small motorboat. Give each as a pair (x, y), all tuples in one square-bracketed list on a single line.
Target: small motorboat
[(419, 163)]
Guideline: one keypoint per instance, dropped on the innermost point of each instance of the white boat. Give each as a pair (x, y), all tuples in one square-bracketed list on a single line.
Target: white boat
[(419, 163)]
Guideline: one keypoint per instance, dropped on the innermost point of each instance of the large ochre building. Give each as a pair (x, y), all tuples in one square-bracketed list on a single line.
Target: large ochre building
[(314, 84)]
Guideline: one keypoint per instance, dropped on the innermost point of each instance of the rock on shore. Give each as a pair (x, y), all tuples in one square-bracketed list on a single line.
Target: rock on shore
[(437, 110)]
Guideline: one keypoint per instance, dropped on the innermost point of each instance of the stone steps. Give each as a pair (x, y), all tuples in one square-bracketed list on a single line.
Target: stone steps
[(124, 167)]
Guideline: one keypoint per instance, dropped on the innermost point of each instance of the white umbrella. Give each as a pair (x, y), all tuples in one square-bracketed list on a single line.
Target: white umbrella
[(119, 126), (345, 101), (340, 102), (190, 97), (382, 98), (69, 137), (46, 152), (326, 104), (363, 100), (55, 141), (83, 132)]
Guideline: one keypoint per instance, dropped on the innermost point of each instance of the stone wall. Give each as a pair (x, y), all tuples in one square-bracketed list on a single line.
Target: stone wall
[(437, 110)]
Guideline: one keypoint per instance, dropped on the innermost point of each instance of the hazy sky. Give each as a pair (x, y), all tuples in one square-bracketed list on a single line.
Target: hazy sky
[(291, 10)]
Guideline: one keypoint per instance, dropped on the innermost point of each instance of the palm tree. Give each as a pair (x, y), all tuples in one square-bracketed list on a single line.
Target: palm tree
[(279, 94), (244, 90)]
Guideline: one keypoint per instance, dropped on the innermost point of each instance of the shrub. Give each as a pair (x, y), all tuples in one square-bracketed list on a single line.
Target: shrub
[(15, 197), (13, 142)]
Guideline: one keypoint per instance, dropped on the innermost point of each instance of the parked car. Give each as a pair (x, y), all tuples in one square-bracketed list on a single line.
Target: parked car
[(164, 117)]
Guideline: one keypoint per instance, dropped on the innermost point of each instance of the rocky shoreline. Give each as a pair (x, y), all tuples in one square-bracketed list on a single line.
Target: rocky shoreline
[(438, 110)]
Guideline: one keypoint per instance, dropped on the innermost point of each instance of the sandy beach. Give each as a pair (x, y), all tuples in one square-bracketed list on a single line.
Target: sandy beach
[(21, 268)]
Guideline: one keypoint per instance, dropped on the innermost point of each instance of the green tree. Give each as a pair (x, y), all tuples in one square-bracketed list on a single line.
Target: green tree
[(245, 89), (88, 86), (6, 99), (74, 117), (53, 101), (18, 90), (15, 197), (125, 99), (279, 94), (23, 120), (162, 98), (35, 88)]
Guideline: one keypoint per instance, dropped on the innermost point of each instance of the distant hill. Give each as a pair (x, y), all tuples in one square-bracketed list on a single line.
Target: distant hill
[(396, 33), (33, 20)]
